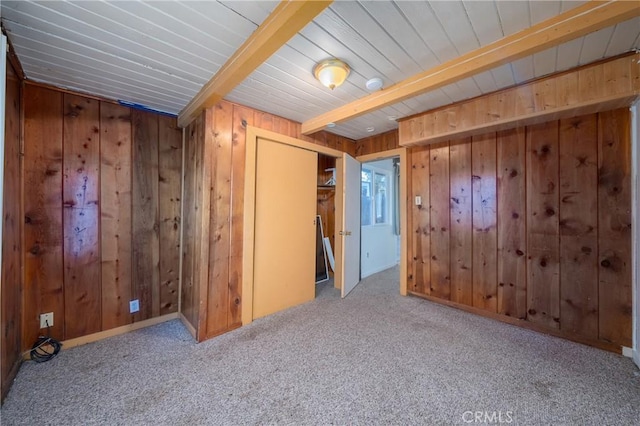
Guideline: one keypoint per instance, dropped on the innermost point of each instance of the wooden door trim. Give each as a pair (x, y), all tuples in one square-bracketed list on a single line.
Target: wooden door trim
[(248, 249), (635, 235), (402, 153)]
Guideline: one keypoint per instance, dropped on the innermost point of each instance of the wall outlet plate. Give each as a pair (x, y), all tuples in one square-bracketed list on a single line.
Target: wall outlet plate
[(134, 306), (418, 200), (46, 320)]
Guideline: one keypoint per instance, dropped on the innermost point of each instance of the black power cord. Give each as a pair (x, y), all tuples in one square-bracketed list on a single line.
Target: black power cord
[(45, 348)]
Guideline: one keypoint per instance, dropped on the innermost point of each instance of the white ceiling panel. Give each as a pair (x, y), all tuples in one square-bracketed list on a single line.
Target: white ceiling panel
[(420, 17), (595, 44), (160, 53), (387, 16), (503, 76), (514, 16), (455, 22), (544, 62), (254, 11), (568, 54), (624, 37)]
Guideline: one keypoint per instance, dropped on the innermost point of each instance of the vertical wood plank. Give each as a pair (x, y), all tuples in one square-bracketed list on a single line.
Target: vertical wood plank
[(591, 83), (579, 226), (115, 213), (349, 147), (282, 126), (331, 140), (263, 120), (420, 220), (11, 278), (391, 139), (512, 232), (543, 268), (617, 76), (342, 142), (146, 247), (461, 222), (205, 189), (218, 300), (567, 90), (242, 117), (169, 193), (408, 225), (545, 94), (188, 304), (377, 144), (484, 217), (614, 218), (43, 264), (440, 216), (81, 187)]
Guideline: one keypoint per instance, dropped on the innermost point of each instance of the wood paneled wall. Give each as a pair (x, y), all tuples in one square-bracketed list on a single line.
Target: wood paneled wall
[(378, 143), (214, 211), (11, 296), (101, 213), (531, 225), (602, 86)]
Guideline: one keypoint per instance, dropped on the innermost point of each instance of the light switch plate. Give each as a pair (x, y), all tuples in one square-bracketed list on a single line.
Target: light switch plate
[(418, 200)]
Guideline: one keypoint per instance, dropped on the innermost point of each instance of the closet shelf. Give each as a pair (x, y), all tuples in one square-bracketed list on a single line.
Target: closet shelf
[(326, 187)]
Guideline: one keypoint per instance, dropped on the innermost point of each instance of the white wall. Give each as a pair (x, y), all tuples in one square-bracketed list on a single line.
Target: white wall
[(635, 225), (379, 245)]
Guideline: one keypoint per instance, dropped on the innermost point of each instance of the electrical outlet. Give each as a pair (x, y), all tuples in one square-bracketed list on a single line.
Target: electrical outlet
[(418, 200), (46, 320), (134, 306)]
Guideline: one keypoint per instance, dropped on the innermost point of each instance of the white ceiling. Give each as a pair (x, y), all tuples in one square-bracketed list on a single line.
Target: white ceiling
[(160, 53)]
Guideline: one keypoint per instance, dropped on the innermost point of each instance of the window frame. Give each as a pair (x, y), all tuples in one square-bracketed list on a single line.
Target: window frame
[(388, 190)]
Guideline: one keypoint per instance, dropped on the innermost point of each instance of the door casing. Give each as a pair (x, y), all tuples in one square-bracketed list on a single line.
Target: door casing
[(253, 136), (404, 205)]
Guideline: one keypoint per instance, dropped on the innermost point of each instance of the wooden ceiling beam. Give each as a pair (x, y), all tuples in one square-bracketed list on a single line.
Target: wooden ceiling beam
[(574, 23), (284, 22)]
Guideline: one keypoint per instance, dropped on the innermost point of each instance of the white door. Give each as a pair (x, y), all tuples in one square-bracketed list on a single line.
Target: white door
[(351, 225), (285, 229)]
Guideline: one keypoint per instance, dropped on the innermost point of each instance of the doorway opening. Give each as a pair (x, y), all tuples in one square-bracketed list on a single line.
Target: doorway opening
[(384, 201), (380, 216), (326, 216), (279, 223)]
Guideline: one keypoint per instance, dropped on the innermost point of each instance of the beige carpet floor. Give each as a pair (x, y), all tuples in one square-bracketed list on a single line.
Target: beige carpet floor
[(373, 358)]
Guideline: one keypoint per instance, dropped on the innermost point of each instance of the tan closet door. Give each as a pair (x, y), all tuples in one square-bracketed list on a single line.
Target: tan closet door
[(285, 232)]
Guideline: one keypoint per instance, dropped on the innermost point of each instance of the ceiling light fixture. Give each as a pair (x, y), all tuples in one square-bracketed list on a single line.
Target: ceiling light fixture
[(331, 72)]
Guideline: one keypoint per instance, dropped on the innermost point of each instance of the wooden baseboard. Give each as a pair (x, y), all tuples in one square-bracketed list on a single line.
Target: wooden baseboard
[(90, 338), (8, 381), (611, 347)]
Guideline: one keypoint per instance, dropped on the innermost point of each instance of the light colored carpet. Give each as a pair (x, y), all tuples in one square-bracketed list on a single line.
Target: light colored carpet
[(373, 358)]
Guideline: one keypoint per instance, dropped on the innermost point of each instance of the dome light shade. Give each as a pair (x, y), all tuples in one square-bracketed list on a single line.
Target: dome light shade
[(374, 84), (331, 73)]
